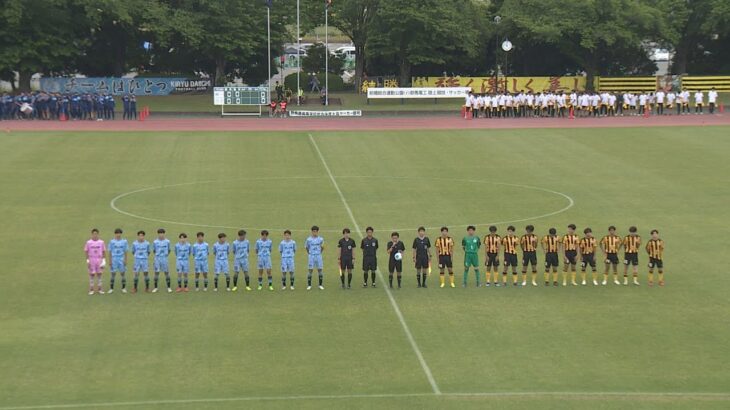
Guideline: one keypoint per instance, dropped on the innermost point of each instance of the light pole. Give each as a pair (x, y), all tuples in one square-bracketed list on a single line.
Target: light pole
[(299, 56), (497, 20)]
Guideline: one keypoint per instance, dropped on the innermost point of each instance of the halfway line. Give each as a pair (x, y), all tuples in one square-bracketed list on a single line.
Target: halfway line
[(393, 303)]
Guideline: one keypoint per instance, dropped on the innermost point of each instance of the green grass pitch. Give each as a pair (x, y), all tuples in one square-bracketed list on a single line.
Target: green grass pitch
[(336, 349)]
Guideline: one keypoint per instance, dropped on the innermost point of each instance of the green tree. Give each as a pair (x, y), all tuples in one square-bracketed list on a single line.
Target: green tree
[(411, 33), (44, 36), (314, 62), (354, 18)]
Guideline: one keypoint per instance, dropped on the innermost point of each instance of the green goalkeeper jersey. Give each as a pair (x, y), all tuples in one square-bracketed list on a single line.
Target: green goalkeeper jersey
[(471, 244)]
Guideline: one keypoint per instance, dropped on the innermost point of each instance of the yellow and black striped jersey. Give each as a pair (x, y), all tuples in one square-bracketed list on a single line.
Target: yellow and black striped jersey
[(445, 246), (528, 243), (588, 245), (655, 248), (570, 242), (632, 243), (510, 244), (611, 243), (491, 243), (550, 243)]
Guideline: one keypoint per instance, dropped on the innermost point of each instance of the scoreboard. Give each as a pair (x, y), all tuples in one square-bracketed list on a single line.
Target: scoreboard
[(240, 96)]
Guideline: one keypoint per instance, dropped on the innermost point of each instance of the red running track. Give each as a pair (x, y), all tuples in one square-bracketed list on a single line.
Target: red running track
[(361, 123)]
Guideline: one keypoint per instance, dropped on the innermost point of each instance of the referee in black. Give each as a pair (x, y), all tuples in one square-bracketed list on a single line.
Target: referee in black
[(369, 246), (347, 257), (422, 256)]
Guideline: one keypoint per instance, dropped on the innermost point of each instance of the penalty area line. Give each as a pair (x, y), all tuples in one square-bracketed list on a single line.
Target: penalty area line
[(424, 366), (587, 395)]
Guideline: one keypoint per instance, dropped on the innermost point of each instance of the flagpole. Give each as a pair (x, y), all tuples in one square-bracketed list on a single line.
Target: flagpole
[(268, 33), (299, 57), (326, 55)]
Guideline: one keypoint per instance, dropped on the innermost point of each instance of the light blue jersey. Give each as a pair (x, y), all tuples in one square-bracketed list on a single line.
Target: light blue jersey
[(221, 251), (141, 251), (263, 253), (117, 249), (314, 246), (287, 250), (182, 257), (200, 254), (240, 251), (161, 250)]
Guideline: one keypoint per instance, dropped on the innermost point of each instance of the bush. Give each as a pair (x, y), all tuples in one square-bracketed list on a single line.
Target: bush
[(335, 82)]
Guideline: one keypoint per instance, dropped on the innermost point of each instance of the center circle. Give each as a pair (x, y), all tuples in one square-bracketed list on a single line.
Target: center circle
[(403, 203)]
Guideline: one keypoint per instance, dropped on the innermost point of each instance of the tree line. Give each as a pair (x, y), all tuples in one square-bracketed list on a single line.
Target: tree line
[(226, 39)]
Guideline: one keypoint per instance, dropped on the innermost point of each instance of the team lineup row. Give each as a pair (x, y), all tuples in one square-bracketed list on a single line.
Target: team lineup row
[(574, 250)]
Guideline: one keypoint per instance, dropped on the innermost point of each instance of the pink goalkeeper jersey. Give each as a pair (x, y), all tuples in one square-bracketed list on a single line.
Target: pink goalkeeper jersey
[(95, 249)]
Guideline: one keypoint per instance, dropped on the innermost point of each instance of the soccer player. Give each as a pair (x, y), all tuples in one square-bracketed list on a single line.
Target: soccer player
[(240, 248), (369, 246), (118, 248), (263, 259), (471, 244), (287, 249), (712, 99), (655, 249), (201, 250), (492, 242), (221, 250), (699, 102), (422, 256), (394, 247), (610, 245), (551, 247), (182, 262), (161, 250), (631, 245), (95, 251), (510, 244), (346, 257), (141, 250), (445, 249), (528, 243), (314, 246), (587, 247), (570, 244)]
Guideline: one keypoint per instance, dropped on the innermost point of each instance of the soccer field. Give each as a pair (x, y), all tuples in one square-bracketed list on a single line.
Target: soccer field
[(605, 347)]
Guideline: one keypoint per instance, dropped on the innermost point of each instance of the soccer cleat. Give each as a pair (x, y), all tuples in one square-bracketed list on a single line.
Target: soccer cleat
[(321, 287), (636, 282), (661, 283), (547, 283), (134, 291), (101, 292), (215, 289), (534, 283), (205, 289), (565, 283), (248, 288), (583, 283), (228, 289), (365, 285), (650, 283), (110, 291), (91, 292), (235, 289), (524, 283), (186, 290), (197, 289), (626, 281), (616, 282), (259, 287), (291, 287), (496, 284), (424, 286), (486, 285), (271, 287), (595, 283), (124, 290), (147, 290), (309, 287), (555, 283), (604, 282), (573, 283), (442, 285), (452, 285), (169, 290), (154, 290), (178, 290), (283, 287)]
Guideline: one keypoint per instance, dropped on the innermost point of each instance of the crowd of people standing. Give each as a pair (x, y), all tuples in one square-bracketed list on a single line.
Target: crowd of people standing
[(42, 105)]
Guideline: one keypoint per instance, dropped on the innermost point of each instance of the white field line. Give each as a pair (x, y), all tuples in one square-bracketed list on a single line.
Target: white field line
[(116, 208), (587, 395), (404, 325)]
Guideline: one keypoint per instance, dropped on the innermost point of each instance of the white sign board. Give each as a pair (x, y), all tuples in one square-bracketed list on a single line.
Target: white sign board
[(415, 92), (240, 96), (340, 113)]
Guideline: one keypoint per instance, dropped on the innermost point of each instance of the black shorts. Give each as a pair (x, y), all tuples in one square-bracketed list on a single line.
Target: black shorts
[(422, 262), (551, 260), (570, 257), (612, 258), (631, 259), (492, 259), (395, 266), (656, 263), (347, 264), (369, 263), (588, 259), (529, 258), (445, 261), (510, 259)]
